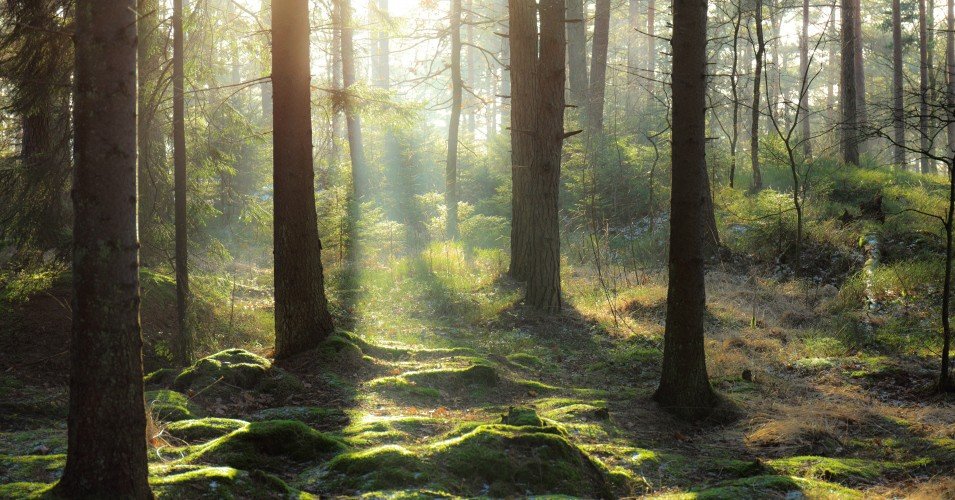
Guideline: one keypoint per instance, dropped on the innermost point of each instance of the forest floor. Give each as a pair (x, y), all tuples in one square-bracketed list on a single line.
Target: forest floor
[(445, 385)]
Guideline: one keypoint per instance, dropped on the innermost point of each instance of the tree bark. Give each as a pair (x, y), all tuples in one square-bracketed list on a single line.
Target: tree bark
[(734, 87), (352, 119), (598, 69), (451, 174), (950, 73), (898, 104), (861, 113), (847, 85), (577, 54), (757, 77), (543, 284), (183, 346), (524, 91), (302, 319), (684, 385), (804, 75), (106, 451), (925, 142)]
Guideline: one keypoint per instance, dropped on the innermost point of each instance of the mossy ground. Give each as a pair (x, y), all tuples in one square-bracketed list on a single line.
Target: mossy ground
[(440, 383)]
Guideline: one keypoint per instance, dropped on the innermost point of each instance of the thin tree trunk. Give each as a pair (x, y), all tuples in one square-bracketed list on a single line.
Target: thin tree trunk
[(577, 54), (804, 75), (847, 85), (451, 175), (302, 319), (352, 119), (684, 385), (925, 142), (861, 113), (106, 428), (651, 41), (945, 383), (184, 341), (950, 73), (757, 77), (898, 108), (598, 69), (633, 44), (734, 86), (470, 68)]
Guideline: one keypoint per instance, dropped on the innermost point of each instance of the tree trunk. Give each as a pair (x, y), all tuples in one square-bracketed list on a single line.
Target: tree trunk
[(804, 75), (106, 451), (950, 72), (598, 69), (302, 320), (925, 142), (757, 76), (577, 54), (633, 45), (898, 105), (470, 72), (543, 283), (847, 85), (451, 175), (734, 87), (945, 383), (183, 346), (684, 385), (352, 119), (524, 92), (861, 113), (651, 41)]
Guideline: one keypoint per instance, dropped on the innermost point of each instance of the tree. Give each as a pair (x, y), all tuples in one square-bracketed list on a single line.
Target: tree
[(684, 385), (598, 70), (847, 85), (184, 342), (343, 16), (897, 96), (577, 53), (106, 428), (950, 73), (804, 75), (302, 319), (522, 40), (757, 76), (925, 142), (734, 88), (451, 175)]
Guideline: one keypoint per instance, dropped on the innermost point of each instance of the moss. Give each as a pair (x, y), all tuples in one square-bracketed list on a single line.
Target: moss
[(33, 442), (163, 377), (236, 368), (189, 482), (504, 461), (312, 416), (31, 468), (401, 384), (372, 430), (23, 490), (521, 417), (769, 486), (843, 470), (257, 445), (340, 348), (581, 411), (203, 429), (525, 360), (475, 375), (378, 468), (171, 406)]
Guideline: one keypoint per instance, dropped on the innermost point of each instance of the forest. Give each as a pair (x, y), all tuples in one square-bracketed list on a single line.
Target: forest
[(479, 248)]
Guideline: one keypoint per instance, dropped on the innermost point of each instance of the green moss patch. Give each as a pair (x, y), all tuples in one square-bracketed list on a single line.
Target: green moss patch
[(203, 429), (769, 486), (192, 482), (33, 442), (171, 406), (316, 417), (378, 468), (372, 430), (525, 360), (236, 368), (23, 490), (31, 468), (842, 470), (268, 445)]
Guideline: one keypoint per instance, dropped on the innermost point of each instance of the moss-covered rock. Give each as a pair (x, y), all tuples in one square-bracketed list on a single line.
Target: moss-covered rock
[(163, 377), (313, 416), (769, 486), (374, 430), (193, 482), (521, 417), (232, 369), (268, 445), (378, 468), (505, 461), (171, 406), (482, 375), (203, 429)]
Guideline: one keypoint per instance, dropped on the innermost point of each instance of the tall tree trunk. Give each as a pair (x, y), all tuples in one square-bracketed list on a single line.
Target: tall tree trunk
[(360, 184), (451, 174), (106, 450), (598, 69), (847, 85), (861, 113), (804, 75), (184, 341), (265, 88), (577, 54), (925, 142), (302, 319), (470, 68), (898, 104), (734, 87), (633, 44), (651, 41), (950, 73), (684, 385), (757, 77), (543, 283), (524, 91), (337, 86)]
